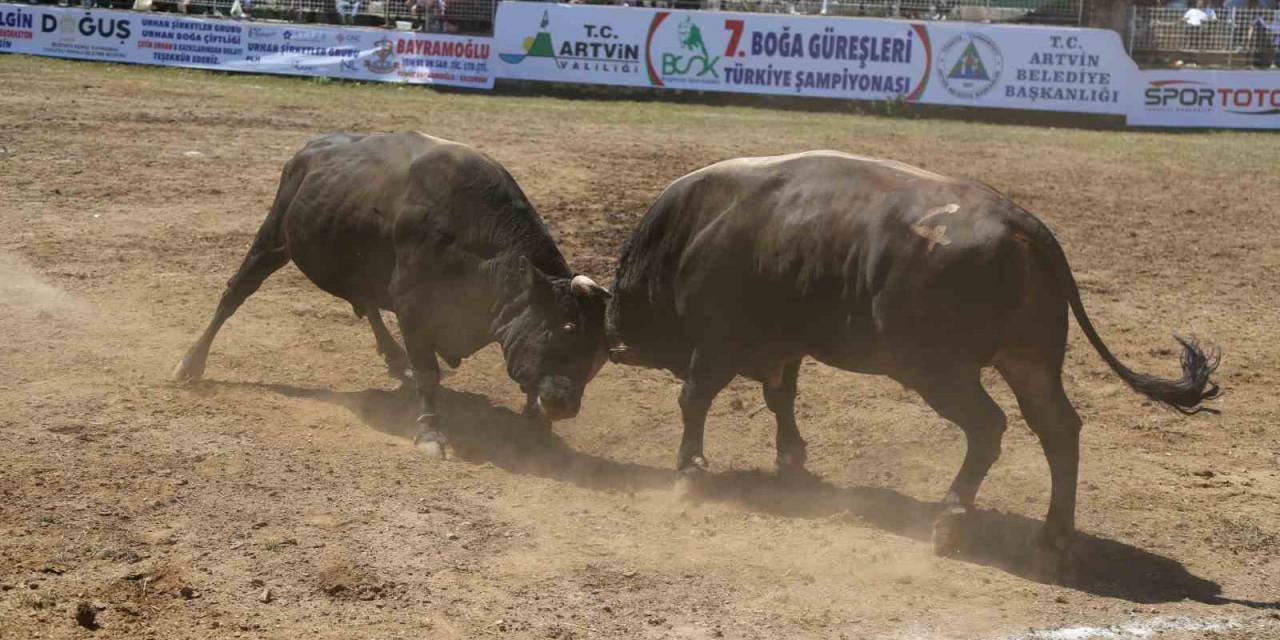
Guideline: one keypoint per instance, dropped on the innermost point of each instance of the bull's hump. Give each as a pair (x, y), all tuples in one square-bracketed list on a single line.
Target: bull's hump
[(856, 161), (904, 168), (428, 137)]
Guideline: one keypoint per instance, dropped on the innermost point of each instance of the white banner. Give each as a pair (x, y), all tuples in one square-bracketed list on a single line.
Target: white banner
[(1029, 67), (712, 51), (178, 41), (1019, 67), (562, 43), (1203, 98)]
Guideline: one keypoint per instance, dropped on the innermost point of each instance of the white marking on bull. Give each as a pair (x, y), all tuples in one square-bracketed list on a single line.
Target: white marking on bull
[(939, 211), (936, 235)]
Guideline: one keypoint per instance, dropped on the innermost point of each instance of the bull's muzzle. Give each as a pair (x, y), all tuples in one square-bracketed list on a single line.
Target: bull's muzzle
[(558, 398)]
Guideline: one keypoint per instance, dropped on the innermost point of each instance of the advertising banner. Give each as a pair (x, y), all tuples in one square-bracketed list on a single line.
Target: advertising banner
[(1205, 98), (1029, 67), (1019, 67), (712, 51), (564, 43), (178, 41), (368, 54), (948, 63)]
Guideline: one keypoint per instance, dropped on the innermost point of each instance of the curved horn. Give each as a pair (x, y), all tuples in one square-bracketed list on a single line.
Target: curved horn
[(583, 286)]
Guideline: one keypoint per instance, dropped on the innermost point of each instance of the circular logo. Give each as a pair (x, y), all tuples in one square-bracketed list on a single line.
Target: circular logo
[(969, 65)]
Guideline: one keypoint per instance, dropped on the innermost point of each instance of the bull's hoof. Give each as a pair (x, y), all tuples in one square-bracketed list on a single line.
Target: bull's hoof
[(429, 437), (951, 531), (797, 477), (432, 449), (688, 482), (689, 475), (1050, 559), (188, 372), (694, 465), (791, 464)]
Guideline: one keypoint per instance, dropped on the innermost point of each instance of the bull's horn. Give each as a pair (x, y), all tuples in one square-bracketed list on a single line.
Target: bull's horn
[(583, 286)]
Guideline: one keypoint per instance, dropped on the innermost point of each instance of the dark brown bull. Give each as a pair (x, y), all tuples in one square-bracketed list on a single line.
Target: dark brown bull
[(441, 235), (749, 265)]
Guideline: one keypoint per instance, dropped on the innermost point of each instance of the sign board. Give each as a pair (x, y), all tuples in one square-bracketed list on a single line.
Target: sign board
[(179, 41)]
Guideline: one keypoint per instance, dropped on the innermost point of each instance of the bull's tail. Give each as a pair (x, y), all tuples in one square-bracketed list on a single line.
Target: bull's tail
[(1184, 394)]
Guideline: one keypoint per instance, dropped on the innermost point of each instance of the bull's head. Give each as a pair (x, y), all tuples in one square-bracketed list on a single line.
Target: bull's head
[(556, 344)]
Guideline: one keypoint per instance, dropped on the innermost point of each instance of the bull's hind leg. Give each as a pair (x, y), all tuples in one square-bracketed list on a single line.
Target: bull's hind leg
[(267, 255), (780, 397), (962, 400), (395, 357), (1044, 404)]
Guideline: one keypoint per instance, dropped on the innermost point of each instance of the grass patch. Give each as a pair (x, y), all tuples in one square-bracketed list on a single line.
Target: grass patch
[(276, 546), (861, 126)]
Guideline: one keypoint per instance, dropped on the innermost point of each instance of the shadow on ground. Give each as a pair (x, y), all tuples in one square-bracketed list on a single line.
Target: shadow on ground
[(481, 432)]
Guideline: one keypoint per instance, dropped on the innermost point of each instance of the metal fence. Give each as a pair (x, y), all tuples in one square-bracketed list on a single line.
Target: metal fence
[(462, 16), (1231, 37), (476, 16), (1034, 11)]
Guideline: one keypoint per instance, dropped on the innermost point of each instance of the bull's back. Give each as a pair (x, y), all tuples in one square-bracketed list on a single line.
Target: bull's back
[(804, 250), (797, 219), (339, 222)]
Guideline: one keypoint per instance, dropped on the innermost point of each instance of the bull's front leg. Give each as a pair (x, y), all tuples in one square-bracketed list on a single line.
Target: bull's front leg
[(426, 373), (707, 377), (429, 437)]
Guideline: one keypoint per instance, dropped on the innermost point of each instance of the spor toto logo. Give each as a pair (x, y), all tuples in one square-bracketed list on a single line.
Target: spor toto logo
[(969, 65), (1194, 95)]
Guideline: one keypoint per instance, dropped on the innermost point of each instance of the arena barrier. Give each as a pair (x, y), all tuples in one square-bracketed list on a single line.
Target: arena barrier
[(1026, 67), (173, 40), (945, 63)]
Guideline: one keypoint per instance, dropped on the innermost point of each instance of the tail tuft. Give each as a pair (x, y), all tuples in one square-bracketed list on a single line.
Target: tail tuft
[(1187, 393)]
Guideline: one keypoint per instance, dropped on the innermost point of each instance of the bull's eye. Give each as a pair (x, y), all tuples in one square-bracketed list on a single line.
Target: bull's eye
[(569, 327)]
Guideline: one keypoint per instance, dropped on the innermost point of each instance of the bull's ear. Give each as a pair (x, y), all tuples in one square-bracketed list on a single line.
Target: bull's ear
[(538, 283)]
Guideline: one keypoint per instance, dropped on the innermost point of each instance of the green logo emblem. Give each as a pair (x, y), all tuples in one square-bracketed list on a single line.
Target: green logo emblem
[(969, 66), (700, 63), (537, 46)]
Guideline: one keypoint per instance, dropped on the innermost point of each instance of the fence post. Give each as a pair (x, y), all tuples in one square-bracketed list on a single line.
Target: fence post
[(1133, 26), (1080, 14)]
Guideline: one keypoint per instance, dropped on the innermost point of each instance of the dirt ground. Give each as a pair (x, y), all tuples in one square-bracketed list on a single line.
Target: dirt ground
[(282, 499)]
